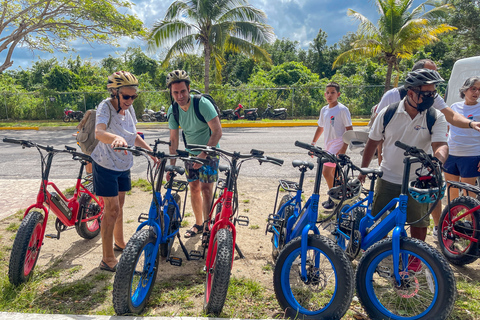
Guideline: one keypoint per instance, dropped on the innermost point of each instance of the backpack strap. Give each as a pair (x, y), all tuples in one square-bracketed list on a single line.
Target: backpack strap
[(176, 116), (391, 109), (388, 115), (196, 106), (431, 118)]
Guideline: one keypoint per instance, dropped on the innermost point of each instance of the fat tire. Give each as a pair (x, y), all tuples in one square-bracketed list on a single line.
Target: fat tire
[(335, 259), (447, 240), (279, 243), (26, 248), (218, 277), (141, 241), (440, 275), (91, 229)]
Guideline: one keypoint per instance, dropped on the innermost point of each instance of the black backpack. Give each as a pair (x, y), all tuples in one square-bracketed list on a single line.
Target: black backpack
[(391, 109), (196, 107)]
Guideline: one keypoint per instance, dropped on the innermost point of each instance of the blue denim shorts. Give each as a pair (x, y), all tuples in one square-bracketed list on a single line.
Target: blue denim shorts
[(465, 167), (108, 183)]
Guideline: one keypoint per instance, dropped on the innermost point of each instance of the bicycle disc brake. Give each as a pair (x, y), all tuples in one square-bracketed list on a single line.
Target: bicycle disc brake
[(353, 246)]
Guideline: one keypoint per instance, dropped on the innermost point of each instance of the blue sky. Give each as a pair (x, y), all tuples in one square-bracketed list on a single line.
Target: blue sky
[(293, 19)]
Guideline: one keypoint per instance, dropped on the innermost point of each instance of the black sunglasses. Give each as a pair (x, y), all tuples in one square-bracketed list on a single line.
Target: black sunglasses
[(428, 94), (127, 97)]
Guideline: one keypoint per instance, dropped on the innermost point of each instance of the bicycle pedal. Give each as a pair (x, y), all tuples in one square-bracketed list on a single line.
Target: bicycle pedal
[(274, 220), (51, 236), (142, 217), (195, 255), (176, 261), (242, 221)]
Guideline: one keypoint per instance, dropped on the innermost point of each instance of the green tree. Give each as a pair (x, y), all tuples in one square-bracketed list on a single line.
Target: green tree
[(281, 51), (53, 24), (398, 33), (216, 26)]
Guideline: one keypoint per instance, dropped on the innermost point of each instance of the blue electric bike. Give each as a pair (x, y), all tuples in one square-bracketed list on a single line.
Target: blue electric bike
[(397, 277), (313, 278)]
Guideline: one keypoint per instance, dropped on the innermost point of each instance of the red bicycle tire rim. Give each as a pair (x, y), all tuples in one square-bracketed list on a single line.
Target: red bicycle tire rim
[(448, 243), (32, 251)]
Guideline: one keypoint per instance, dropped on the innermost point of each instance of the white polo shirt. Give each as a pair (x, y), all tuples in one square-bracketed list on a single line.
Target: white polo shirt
[(413, 132), (393, 95)]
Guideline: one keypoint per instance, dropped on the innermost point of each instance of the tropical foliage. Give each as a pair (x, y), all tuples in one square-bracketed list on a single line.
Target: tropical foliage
[(398, 34), (216, 26)]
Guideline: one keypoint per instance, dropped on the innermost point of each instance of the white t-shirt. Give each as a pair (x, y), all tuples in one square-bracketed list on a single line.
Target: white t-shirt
[(393, 95), (121, 125), (334, 120), (413, 132), (465, 142)]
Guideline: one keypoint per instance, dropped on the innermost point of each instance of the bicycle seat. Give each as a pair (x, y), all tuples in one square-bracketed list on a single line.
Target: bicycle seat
[(223, 167), (177, 169), (300, 163), (375, 172)]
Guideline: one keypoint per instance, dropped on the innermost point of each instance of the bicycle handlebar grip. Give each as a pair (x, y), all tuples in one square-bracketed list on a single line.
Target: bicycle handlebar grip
[(278, 161), (9, 140), (303, 145), (158, 141), (402, 145)]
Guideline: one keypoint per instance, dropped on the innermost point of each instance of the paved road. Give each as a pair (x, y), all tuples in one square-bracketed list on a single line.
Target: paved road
[(20, 168)]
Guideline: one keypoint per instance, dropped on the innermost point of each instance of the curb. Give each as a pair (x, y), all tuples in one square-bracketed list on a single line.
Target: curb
[(224, 125)]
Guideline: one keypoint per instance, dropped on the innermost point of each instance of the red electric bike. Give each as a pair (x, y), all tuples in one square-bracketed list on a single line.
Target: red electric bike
[(83, 211)]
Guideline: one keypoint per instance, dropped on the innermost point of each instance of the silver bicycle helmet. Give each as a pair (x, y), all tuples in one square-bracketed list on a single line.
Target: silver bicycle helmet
[(422, 77), (353, 190), (177, 76)]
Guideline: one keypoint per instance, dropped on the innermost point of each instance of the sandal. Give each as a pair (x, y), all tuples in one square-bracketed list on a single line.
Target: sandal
[(106, 267), (190, 233), (116, 247)]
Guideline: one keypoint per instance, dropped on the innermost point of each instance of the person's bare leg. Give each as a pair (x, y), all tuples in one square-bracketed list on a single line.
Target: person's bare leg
[(207, 195), (418, 233), (111, 212), (118, 229), (469, 181), (454, 192), (329, 175), (436, 213), (197, 202)]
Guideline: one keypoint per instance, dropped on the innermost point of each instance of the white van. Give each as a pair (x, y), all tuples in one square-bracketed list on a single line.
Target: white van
[(462, 69)]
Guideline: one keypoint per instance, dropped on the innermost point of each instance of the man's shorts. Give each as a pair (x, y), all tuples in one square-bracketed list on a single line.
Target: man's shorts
[(385, 191), (206, 173), (465, 167), (108, 183)]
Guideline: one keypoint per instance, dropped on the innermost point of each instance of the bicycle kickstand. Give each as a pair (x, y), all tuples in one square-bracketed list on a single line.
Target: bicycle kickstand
[(193, 255), (239, 251)]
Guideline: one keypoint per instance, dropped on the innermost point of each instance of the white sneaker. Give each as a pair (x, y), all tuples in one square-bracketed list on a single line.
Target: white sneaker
[(435, 231)]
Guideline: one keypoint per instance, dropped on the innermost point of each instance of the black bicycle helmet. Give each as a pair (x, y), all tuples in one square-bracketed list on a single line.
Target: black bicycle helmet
[(177, 76), (353, 189), (422, 77)]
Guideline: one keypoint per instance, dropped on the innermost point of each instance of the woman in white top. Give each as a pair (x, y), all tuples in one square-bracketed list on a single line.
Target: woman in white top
[(463, 163), (111, 169)]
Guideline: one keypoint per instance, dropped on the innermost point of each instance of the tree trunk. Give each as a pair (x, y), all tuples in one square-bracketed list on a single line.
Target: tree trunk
[(207, 67), (388, 77)]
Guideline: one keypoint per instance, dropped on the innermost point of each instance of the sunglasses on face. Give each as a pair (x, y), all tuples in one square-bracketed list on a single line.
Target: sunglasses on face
[(127, 97), (428, 94)]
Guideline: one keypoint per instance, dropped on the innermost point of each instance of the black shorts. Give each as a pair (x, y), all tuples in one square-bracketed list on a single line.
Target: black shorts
[(108, 183)]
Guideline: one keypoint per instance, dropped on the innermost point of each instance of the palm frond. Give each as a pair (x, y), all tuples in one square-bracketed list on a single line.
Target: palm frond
[(164, 32), (180, 47)]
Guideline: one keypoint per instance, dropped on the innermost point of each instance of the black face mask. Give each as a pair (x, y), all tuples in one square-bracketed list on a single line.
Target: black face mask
[(426, 103)]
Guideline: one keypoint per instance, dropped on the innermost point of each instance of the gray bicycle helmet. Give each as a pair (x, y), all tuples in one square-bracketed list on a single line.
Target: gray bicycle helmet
[(353, 190), (177, 76), (422, 77)]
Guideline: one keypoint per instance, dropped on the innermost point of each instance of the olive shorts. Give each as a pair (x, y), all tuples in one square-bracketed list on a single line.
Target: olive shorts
[(385, 191)]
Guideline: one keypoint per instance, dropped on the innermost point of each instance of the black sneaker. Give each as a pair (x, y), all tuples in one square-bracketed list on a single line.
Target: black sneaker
[(329, 204)]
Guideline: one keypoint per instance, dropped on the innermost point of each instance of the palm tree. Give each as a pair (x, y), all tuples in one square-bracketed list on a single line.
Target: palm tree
[(215, 25), (399, 32)]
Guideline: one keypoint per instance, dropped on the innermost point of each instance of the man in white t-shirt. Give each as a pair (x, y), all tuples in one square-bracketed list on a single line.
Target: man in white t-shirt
[(454, 118), (333, 121), (408, 125)]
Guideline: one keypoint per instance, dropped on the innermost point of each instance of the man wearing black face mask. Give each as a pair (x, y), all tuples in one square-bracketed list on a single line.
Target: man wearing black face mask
[(408, 125)]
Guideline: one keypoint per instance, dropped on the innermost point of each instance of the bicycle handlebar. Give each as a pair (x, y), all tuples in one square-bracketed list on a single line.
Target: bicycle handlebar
[(316, 151), (254, 153), (24, 143), (30, 144), (182, 155)]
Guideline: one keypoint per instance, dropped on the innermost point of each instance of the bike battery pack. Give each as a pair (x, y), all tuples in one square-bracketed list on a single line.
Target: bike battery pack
[(61, 204)]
